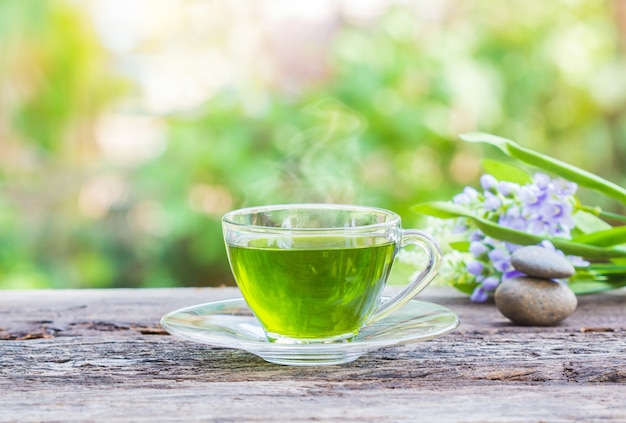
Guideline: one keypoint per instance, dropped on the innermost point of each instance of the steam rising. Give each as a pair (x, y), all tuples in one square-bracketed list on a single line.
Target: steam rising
[(322, 164)]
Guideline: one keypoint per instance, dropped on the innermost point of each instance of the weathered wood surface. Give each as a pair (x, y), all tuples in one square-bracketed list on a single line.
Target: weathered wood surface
[(101, 356)]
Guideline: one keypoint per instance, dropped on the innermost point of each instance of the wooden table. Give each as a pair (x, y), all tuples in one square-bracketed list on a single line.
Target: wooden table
[(98, 355)]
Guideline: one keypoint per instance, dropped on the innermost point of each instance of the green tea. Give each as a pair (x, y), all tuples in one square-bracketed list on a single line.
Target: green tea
[(309, 292)]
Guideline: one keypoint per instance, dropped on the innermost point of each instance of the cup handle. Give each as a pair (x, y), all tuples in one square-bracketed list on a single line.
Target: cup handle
[(431, 247)]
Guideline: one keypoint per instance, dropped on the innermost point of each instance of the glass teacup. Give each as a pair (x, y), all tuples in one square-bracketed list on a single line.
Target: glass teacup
[(315, 273)]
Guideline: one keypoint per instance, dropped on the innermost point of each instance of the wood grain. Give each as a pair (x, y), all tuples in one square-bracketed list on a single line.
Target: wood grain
[(100, 355)]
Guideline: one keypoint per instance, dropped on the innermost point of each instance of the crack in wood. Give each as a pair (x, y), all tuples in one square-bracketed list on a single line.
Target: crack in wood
[(43, 330), (586, 330), (25, 335), (519, 375), (570, 373)]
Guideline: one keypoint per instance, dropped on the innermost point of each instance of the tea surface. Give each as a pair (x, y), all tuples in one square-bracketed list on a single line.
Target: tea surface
[(311, 292)]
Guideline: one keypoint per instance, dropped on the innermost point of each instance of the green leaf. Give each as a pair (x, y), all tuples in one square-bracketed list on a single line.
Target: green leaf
[(466, 288), (608, 269), (447, 210), (462, 246), (549, 164), (588, 222), (607, 238), (590, 287), (441, 209), (506, 172)]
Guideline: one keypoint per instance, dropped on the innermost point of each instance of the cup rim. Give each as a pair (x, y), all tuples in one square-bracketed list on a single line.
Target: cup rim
[(394, 218)]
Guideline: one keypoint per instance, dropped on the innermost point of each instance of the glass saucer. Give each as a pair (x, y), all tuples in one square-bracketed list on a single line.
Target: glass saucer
[(231, 324)]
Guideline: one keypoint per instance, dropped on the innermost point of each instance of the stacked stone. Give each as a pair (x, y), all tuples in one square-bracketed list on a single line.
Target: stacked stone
[(540, 298)]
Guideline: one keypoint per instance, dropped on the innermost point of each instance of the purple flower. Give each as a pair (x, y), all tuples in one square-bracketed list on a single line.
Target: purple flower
[(501, 260), (477, 248), (555, 210), (474, 267), (512, 274), (536, 225), (564, 188), (507, 188), (492, 202), (542, 180), (513, 219), (498, 255), (488, 182), (491, 241), (562, 232), (490, 283), (468, 196), (512, 247), (532, 196), (578, 261), (479, 295), (476, 236), (558, 213)]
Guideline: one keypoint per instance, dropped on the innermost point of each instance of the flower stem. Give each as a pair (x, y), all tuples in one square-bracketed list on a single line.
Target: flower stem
[(613, 216), (597, 211)]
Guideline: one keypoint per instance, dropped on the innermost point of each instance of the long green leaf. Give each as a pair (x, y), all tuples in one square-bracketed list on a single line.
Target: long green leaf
[(447, 210), (506, 172), (608, 238), (549, 164), (591, 287)]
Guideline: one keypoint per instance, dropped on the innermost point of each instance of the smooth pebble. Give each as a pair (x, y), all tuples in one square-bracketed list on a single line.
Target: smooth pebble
[(535, 302), (541, 262)]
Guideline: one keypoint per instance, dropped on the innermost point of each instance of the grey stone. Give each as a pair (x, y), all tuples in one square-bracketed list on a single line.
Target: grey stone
[(530, 301), (541, 262)]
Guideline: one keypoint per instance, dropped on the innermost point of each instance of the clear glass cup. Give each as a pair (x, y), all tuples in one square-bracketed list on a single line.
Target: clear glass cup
[(315, 273)]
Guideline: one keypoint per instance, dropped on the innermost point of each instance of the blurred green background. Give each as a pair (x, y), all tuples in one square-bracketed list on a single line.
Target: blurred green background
[(127, 128)]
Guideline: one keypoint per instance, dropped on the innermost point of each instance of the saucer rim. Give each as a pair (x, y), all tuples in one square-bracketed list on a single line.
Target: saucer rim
[(364, 345)]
